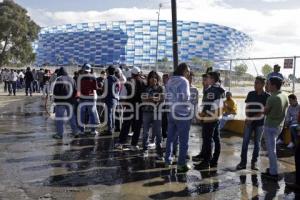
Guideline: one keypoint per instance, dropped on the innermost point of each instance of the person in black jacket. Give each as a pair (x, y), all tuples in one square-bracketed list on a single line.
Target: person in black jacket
[(132, 116), (28, 81), (64, 92)]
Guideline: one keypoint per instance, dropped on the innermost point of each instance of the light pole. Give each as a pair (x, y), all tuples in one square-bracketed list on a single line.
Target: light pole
[(174, 29), (158, 16)]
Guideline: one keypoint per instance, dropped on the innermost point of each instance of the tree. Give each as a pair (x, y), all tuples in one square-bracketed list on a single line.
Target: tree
[(203, 63), (17, 33), (241, 69), (266, 69)]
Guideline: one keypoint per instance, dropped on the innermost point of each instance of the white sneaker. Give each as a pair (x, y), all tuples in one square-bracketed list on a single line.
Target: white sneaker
[(151, 145), (134, 148), (291, 145), (130, 134), (145, 154), (279, 141), (95, 133)]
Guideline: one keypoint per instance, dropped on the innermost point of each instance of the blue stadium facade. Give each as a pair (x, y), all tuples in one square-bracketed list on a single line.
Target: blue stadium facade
[(135, 43)]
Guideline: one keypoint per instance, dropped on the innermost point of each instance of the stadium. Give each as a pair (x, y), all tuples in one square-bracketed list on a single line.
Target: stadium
[(140, 42)]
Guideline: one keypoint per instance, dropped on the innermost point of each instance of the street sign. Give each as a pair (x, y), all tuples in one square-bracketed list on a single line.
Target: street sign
[(288, 63)]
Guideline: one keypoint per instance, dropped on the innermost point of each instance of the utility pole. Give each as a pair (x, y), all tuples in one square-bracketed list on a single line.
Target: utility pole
[(174, 29), (156, 56)]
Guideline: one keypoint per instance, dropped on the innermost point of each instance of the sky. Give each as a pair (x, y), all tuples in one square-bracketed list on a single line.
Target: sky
[(273, 24)]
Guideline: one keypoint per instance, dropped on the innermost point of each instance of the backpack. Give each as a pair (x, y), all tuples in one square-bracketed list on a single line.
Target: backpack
[(61, 89)]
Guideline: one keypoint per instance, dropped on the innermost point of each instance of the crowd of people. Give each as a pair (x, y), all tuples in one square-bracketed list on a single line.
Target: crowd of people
[(167, 105), (32, 81)]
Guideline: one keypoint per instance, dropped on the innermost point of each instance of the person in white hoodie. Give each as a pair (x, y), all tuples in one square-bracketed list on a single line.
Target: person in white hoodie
[(178, 98)]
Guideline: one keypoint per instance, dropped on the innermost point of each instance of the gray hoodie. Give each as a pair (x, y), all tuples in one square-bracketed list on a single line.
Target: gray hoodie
[(178, 91)]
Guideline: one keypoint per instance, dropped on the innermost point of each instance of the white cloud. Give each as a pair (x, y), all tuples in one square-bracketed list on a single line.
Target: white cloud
[(275, 33), (274, 1)]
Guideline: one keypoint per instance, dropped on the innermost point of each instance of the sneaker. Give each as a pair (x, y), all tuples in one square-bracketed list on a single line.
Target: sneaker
[(151, 145), (94, 133), (56, 136), (119, 146), (134, 148), (291, 145), (279, 142), (202, 165), (130, 134), (213, 164), (145, 153), (268, 175), (197, 158), (240, 166), (183, 168), (254, 166), (159, 158)]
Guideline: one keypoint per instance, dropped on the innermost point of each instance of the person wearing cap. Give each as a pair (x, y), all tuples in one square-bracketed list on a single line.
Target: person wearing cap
[(64, 94), (210, 115), (87, 87), (179, 119), (256, 100), (132, 114), (111, 97), (229, 110)]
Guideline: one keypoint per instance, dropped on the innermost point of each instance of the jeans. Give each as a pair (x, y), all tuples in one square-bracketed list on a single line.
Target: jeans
[(135, 122), (224, 119), (270, 135), (35, 86), (148, 121), (164, 125), (6, 83), (293, 130), (89, 111), (180, 128), (59, 113), (12, 87), (210, 133), (258, 130), (28, 87), (111, 106)]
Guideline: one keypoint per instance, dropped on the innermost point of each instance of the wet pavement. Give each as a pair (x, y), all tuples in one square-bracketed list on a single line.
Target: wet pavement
[(35, 166)]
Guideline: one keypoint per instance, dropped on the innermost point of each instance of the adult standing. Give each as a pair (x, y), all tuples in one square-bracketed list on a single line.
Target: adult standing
[(111, 97), (132, 112), (87, 87), (13, 77), (28, 81), (64, 91), (275, 111), (256, 100), (179, 119), (213, 103)]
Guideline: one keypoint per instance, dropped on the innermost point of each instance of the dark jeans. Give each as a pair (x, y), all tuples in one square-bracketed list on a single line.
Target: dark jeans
[(6, 83), (12, 87), (210, 132), (28, 87), (297, 162), (164, 124), (248, 130), (136, 122)]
